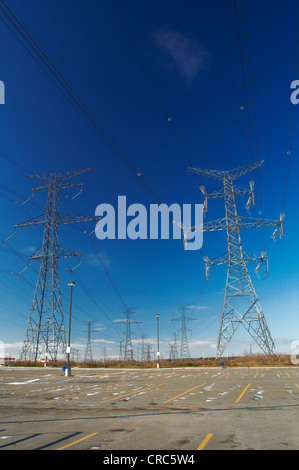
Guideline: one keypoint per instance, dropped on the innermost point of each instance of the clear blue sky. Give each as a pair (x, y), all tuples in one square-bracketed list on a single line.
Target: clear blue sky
[(178, 65)]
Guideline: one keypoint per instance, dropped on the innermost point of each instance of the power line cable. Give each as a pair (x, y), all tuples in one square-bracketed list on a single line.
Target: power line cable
[(22, 33), (240, 77), (254, 123), (139, 56), (291, 116)]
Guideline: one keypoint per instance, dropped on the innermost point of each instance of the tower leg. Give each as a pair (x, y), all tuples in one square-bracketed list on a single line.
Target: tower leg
[(239, 293)]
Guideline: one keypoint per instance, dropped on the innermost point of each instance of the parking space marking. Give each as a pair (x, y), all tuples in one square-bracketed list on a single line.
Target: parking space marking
[(223, 375), (184, 393), (133, 392), (79, 440), (203, 444), (244, 391)]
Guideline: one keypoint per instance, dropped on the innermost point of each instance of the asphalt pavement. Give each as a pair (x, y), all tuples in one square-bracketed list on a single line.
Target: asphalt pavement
[(149, 409)]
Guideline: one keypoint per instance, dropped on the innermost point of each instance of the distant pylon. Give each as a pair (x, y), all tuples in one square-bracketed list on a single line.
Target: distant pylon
[(126, 345), (88, 351), (240, 303), (148, 352), (173, 352), (43, 334), (182, 332), (143, 347)]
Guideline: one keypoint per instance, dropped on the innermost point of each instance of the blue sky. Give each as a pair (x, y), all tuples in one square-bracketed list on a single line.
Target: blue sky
[(179, 66)]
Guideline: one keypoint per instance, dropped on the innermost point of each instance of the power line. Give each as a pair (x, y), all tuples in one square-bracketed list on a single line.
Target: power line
[(239, 75), (241, 87), (139, 56), (291, 116), (253, 119), (14, 162), (103, 264), (22, 33)]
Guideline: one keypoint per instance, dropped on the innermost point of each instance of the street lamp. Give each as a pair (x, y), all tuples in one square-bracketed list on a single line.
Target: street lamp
[(158, 349), (68, 371), (47, 344)]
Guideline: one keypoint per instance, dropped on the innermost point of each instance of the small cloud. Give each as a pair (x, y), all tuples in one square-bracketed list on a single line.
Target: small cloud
[(97, 260), (198, 307), (210, 343), (146, 341), (186, 56), (103, 341), (29, 249)]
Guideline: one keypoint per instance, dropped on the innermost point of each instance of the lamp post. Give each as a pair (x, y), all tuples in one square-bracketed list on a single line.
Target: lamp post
[(158, 349), (47, 344), (67, 371)]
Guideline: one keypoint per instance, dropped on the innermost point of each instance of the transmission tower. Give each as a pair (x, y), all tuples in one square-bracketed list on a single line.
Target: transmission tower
[(173, 352), (240, 304), (143, 344), (88, 351), (148, 352), (47, 296), (182, 332), (126, 347)]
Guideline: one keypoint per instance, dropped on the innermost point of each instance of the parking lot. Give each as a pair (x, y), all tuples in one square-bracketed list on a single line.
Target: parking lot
[(149, 409)]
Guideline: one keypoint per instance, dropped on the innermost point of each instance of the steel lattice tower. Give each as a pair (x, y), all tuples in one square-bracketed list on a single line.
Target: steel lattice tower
[(173, 352), (142, 348), (88, 349), (240, 304), (126, 346), (43, 334), (182, 331)]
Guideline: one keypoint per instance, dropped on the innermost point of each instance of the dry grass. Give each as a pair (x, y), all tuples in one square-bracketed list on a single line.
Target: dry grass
[(255, 360)]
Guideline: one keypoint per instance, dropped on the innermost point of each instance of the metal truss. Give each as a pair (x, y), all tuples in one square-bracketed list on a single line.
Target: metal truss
[(182, 333), (126, 353), (45, 332), (240, 304)]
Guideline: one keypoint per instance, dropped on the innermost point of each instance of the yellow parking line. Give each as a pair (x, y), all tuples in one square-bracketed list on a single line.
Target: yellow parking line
[(297, 385), (184, 393), (256, 374), (223, 375), (134, 392), (204, 442), (76, 442), (240, 396), (288, 374)]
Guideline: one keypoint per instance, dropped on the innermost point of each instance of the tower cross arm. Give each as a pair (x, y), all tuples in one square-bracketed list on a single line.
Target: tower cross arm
[(34, 222), (59, 175), (62, 219), (222, 174), (70, 219), (219, 193), (250, 222), (61, 251), (241, 222), (62, 185)]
